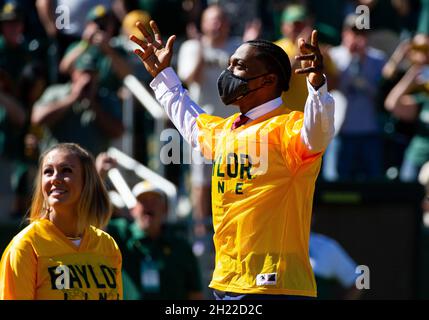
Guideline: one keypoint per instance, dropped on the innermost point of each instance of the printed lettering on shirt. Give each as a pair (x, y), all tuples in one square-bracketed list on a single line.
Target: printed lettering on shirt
[(251, 142), (72, 280), (235, 166)]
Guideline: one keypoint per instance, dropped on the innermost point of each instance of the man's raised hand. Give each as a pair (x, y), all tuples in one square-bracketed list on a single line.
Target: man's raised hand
[(154, 55), (311, 60)]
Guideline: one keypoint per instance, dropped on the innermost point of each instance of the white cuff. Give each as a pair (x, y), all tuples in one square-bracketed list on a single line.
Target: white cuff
[(321, 91), (166, 80)]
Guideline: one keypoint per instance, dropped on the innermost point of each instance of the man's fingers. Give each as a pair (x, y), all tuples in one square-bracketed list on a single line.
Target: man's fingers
[(314, 39), (310, 57), (156, 32), (307, 47), (143, 30), (170, 43), (141, 54), (138, 41), (310, 52), (147, 55), (308, 70)]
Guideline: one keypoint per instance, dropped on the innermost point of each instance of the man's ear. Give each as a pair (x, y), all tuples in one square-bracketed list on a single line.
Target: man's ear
[(270, 79)]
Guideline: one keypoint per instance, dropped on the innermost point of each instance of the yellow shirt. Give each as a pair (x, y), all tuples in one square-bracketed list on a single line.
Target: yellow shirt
[(297, 94), (262, 194), (40, 263)]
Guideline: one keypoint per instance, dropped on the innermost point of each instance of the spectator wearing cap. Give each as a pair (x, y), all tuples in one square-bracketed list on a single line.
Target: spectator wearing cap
[(14, 53), (97, 41), (78, 112), (157, 262), (358, 145), (297, 23)]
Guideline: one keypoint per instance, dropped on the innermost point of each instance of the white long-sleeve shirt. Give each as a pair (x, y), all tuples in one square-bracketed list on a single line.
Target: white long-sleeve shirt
[(316, 133)]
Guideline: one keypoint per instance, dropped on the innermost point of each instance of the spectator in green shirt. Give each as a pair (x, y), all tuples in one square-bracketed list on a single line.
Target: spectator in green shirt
[(79, 111), (409, 101), (158, 264), (98, 42)]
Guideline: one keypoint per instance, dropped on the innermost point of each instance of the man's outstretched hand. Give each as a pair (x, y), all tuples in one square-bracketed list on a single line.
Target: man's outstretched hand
[(311, 60), (154, 55)]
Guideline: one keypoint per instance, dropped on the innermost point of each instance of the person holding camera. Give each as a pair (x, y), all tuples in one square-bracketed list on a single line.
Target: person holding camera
[(409, 101), (78, 111), (98, 41)]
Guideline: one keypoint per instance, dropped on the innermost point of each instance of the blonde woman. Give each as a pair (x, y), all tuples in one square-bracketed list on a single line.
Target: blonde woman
[(63, 254)]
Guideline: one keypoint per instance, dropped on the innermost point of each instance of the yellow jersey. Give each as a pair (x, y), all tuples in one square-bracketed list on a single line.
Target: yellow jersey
[(262, 194), (41, 263)]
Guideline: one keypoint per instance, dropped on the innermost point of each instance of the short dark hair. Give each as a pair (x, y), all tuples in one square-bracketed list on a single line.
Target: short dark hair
[(276, 60)]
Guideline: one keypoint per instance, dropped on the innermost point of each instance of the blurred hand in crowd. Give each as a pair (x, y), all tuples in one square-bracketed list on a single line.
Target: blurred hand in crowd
[(89, 32), (400, 54), (103, 163)]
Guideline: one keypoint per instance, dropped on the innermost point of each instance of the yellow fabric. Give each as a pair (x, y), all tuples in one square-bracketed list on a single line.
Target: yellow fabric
[(288, 46), (297, 94), (28, 265), (261, 204)]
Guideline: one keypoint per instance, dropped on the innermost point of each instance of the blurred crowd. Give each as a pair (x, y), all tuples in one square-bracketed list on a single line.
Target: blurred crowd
[(63, 62)]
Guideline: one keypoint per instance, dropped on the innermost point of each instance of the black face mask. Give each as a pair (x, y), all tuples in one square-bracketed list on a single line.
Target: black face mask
[(232, 88)]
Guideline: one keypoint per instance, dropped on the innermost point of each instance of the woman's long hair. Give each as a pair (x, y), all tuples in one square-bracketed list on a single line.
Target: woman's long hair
[(94, 207)]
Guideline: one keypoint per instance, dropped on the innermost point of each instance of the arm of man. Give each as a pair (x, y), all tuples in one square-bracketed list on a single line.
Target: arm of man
[(318, 129), (46, 12), (50, 113), (66, 64), (399, 101), (391, 67), (49, 110), (181, 110), (168, 89)]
